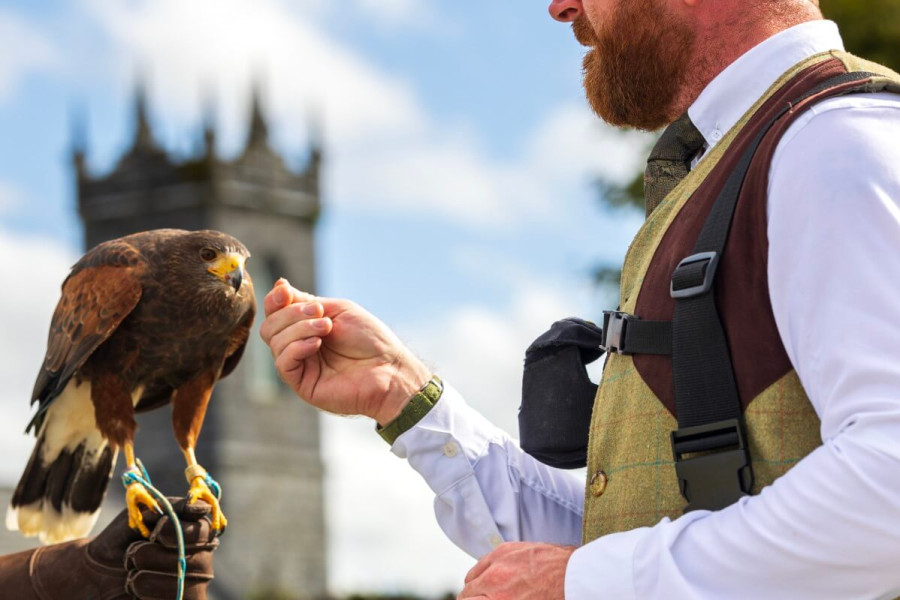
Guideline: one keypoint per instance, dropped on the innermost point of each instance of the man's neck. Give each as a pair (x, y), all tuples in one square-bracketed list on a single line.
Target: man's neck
[(721, 43)]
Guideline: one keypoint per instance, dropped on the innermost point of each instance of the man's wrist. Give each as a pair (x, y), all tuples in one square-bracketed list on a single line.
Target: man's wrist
[(419, 405), (410, 378)]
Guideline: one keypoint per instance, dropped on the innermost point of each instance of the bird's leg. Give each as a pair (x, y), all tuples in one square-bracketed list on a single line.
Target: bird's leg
[(188, 410), (114, 402), (196, 476), (136, 495)]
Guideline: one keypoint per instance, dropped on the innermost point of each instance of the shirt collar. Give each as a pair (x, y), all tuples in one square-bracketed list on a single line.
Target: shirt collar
[(731, 94)]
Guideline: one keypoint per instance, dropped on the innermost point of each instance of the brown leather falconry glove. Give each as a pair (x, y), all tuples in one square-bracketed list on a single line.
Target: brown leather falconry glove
[(118, 563)]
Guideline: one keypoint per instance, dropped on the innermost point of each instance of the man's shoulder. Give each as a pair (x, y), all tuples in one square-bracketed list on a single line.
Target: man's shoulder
[(844, 123)]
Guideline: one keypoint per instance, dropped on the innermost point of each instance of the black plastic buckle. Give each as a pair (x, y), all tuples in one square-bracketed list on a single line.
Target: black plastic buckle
[(695, 265), (721, 472), (615, 323)]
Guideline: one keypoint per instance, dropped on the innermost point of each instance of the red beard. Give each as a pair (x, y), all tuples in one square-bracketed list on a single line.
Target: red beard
[(637, 63)]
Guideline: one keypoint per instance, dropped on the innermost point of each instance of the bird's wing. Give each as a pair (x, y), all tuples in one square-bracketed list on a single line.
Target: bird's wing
[(102, 289), (239, 338)]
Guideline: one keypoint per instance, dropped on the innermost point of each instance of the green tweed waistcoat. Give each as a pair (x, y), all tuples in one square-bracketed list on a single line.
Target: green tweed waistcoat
[(631, 479)]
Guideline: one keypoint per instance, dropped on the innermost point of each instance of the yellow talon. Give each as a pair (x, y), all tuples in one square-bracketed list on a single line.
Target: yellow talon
[(200, 491), (137, 495)]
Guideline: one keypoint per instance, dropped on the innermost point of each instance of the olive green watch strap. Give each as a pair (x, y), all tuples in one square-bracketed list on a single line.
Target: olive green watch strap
[(418, 406)]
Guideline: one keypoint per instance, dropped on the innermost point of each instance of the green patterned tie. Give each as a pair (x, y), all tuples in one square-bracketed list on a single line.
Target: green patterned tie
[(670, 160)]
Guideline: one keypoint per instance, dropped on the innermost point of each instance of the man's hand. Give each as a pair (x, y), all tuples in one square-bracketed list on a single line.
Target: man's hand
[(519, 571), (337, 356)]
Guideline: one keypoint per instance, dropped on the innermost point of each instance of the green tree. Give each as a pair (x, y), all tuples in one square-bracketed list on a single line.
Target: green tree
[(870, 28)]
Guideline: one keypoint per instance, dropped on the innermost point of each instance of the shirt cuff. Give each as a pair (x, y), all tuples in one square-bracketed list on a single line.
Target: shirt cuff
[(418, 406), (451, 430), (604, 568)]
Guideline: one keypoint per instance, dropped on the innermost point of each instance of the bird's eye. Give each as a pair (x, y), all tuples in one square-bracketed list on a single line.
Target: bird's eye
[(208, 254)]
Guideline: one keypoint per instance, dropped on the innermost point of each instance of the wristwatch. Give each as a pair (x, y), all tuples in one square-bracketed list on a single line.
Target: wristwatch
[(417, 407)]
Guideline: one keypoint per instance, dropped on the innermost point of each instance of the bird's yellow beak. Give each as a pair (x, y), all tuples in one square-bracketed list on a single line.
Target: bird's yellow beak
[(230, 269)]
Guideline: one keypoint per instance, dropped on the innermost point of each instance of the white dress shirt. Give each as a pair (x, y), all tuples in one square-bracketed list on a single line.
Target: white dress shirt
[(830, 527)]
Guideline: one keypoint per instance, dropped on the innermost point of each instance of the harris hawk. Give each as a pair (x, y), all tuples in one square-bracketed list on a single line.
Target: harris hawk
[(144, 320)]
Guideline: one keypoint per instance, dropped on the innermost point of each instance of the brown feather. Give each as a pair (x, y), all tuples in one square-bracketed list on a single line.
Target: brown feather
[(95, 300)]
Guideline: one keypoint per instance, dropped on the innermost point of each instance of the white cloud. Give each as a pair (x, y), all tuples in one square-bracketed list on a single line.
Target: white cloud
[(448, 173), (35, 268), (385, 152), (480, 349), (227, 44), (450, 177), (24, 51), (572, 142), (382, 532)]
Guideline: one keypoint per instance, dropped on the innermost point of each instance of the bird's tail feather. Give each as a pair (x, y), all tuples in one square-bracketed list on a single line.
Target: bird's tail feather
[(59, 495)]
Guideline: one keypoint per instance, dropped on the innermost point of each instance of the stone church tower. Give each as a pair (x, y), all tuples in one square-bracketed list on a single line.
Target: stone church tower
[(258, 440)]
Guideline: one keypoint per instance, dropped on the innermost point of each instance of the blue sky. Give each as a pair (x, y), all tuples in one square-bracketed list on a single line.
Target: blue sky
[(459, 207)]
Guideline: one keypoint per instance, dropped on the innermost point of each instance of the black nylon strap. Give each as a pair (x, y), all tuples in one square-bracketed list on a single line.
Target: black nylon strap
[(626, 334), (712, 456), (705, 387), (649, 337)]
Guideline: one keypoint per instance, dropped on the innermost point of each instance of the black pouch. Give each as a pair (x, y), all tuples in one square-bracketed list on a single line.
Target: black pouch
[(557, 395)]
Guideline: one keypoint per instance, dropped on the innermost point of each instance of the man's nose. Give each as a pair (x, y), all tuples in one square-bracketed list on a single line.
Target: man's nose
[(566, 11)]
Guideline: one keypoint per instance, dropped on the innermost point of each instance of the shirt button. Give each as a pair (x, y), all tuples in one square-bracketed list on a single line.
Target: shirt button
[(716, 135), (598, 483), (495, 540), (450, 449)]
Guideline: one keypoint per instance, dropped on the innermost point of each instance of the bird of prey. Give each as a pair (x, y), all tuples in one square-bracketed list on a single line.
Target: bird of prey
[(144, 320)]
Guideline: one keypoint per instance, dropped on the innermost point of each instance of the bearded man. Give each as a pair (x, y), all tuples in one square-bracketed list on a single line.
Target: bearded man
[(763, 108)]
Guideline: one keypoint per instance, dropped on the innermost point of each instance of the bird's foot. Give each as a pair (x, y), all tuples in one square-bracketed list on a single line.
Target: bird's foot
[(200, 491), (135, 496)]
